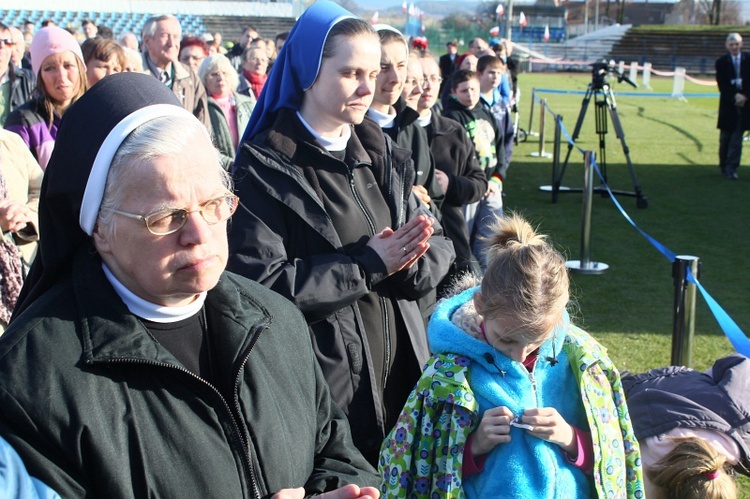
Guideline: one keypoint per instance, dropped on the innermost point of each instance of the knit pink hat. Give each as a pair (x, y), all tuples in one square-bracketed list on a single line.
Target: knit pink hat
[(52, 40)]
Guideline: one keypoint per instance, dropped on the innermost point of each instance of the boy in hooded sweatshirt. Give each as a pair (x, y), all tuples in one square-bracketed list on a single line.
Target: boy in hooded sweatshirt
[(482, 128)]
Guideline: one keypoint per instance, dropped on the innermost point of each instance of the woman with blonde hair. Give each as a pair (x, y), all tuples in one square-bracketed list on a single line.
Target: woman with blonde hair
[(57, 62), (693, 428), (229, 110)]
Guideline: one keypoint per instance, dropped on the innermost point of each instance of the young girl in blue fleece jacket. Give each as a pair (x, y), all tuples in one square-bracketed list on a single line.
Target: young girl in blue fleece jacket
[(516, 402)]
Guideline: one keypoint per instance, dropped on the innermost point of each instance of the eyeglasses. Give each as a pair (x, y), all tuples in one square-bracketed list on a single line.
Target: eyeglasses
[(427, 82), (6, 42), (164, 222), (433, 80), (415, 83)]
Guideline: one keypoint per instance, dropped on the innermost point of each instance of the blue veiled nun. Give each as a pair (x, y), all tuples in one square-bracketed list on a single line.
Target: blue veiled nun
[(327, 219), (296, 66)]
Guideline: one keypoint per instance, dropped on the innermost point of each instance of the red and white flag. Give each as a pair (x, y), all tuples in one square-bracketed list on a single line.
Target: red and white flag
[(500, 10), (404, 7), (495, 31), (546, 33), (411, 10), (522, 20), (375, 18)]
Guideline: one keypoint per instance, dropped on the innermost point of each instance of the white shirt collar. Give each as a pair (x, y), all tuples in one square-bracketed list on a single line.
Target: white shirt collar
[(329, 144), (151, 311), (382, 119), (423, 122)]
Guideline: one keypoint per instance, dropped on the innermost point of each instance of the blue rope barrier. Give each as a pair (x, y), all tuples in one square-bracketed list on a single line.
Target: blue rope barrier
[(669, 254), (628, 94), (731, 330)]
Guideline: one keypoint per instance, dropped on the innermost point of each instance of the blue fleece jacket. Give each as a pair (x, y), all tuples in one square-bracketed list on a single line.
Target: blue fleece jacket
[(527, 466)]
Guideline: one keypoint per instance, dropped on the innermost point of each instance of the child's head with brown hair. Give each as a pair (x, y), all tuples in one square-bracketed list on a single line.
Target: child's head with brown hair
[(490, 71), (694, 469), (465, 87), (524, 291)]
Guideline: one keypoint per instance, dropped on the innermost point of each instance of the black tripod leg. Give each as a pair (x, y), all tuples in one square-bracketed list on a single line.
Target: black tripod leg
[(601, 131), (641, 200), (576, 131)]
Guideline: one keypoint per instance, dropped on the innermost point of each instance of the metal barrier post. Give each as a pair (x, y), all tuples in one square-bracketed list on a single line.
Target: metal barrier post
[(531, 110), (585, 265), (684, 310), (556, 158), (555, 188), (541, 153)]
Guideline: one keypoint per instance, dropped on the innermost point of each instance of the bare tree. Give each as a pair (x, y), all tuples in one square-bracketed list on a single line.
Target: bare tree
[(731, 12), (713, 12)]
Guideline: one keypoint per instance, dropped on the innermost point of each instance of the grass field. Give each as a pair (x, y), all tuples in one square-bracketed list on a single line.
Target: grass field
[(692, 210)]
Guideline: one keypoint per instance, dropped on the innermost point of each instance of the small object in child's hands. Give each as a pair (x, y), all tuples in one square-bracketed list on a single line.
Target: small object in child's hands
[(516, 421)]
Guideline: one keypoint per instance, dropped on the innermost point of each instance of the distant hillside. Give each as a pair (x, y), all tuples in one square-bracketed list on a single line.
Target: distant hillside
[(435, 9)]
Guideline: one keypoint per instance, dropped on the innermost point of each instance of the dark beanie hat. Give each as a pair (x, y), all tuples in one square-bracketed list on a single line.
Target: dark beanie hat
[(84, 127)]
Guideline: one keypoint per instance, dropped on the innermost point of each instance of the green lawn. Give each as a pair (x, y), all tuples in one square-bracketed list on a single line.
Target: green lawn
[(693, 210)]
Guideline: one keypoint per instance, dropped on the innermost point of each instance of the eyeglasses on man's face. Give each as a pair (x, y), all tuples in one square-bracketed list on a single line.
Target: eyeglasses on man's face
[(425, 83), (6, 42), (164, 222)]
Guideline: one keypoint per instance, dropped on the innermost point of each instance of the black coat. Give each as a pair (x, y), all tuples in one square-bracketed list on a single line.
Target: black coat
[(407, 133), (96, 407), (22, 85), (482, 127), (454, 154), (283, 237), (663, 399), (729, 114), (447, 68)]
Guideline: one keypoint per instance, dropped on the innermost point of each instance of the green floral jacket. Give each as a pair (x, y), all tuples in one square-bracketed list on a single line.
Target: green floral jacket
[(422, 456)]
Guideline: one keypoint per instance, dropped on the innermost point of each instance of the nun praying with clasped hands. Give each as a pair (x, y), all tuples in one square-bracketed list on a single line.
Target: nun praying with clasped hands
[(327, 219), (134, 365)]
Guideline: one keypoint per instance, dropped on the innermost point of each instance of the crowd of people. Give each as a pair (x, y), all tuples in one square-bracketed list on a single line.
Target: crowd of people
[(283, 269)]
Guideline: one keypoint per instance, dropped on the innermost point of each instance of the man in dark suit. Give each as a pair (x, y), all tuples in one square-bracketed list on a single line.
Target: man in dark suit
[(733, 79), (448, 65)]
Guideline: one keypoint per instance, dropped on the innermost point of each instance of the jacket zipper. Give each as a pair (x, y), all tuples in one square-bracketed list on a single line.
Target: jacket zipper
[(244, 443), (402, 198), (383, 304), (532, 379)]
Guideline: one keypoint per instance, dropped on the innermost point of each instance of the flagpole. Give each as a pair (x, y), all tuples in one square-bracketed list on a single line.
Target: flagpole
[(596, 13), (510, 20), (586, 17)]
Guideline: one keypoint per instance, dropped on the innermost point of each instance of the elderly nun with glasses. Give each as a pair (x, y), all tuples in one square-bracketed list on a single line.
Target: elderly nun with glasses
[(134, 365)]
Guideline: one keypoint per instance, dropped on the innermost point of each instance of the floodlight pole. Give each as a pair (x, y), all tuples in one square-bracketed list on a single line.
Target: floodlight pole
[(684, 309)]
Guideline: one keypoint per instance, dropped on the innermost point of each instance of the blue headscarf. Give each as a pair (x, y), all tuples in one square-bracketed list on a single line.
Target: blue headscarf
[(297, 65)]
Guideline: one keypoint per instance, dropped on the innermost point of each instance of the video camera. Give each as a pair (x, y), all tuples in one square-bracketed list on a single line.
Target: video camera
[(601, 69)]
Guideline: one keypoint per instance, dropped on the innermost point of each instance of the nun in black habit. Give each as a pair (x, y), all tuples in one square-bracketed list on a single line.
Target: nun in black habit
[(134, 365)]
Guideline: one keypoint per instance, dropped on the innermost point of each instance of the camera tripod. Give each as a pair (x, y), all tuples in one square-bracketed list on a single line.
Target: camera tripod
[(604, 100)]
